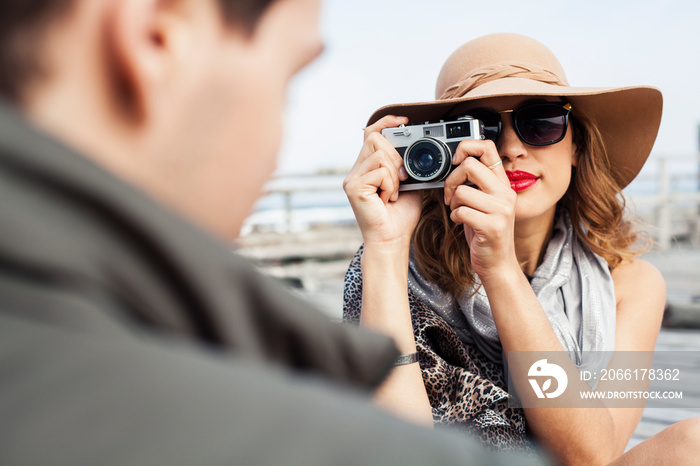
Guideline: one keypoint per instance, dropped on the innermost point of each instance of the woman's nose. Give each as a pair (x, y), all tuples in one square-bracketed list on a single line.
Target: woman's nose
[(509, 145)]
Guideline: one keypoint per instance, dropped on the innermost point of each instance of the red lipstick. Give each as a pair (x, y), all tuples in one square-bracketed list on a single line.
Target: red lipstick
[(520, 180)]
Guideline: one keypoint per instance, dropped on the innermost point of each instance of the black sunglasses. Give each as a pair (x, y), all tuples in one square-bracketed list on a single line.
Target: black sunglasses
[(539, 124)]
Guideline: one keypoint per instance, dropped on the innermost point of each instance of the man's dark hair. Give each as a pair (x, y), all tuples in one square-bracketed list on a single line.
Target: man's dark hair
[(23, 24), (244, 13)]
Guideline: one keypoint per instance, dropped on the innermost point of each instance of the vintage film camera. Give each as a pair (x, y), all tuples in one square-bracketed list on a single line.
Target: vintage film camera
[(427, 149)]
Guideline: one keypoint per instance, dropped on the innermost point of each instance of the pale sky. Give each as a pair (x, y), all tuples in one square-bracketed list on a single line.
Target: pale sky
[(380, 52)]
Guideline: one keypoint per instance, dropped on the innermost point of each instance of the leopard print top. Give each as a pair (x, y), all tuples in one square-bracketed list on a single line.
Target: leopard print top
[(465, 389)]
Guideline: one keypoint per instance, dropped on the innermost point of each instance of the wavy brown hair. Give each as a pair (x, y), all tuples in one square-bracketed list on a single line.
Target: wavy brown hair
[(593, 200)]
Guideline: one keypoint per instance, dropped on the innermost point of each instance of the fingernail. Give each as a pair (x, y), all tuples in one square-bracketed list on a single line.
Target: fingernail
[(403, 174), (395, 196)]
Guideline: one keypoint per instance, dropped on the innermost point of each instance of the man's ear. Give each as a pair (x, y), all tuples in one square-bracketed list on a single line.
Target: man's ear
[(144, 41)]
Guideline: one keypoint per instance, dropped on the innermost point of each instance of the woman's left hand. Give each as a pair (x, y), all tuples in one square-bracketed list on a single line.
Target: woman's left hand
[(487, 210)]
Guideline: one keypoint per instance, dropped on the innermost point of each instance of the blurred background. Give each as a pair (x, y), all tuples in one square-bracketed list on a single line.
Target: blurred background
[(389, 51)]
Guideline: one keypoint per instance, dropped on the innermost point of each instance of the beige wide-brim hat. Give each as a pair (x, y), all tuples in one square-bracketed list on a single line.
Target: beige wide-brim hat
[(500, 65)]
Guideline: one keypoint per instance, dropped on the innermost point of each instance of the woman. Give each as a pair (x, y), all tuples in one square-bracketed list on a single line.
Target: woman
[(532, 254)]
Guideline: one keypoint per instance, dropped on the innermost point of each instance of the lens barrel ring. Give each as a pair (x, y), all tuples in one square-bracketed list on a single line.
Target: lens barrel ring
[(416, 162)]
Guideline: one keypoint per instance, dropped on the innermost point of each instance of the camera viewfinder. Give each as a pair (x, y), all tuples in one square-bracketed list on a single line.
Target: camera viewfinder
[(458, 130)]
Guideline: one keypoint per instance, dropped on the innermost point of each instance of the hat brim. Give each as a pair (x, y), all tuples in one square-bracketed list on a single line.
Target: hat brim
[(628, 118)]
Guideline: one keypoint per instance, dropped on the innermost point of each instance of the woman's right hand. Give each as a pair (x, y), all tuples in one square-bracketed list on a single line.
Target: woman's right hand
[(386, 217)]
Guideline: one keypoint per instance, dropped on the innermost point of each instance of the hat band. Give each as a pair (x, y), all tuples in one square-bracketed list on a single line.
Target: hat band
[(499, 71)]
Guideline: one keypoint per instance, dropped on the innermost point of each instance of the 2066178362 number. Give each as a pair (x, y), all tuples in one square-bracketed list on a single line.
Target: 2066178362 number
[(640, 374)]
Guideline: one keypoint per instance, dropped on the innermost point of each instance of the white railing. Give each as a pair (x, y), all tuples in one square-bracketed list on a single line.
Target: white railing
[(320, 194), (662, 207), (672, 205)]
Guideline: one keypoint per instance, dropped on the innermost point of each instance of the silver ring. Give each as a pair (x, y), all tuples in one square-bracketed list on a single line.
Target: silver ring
[(491, 167)]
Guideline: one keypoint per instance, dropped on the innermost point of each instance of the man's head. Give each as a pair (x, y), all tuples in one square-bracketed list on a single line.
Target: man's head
[(182, 98)]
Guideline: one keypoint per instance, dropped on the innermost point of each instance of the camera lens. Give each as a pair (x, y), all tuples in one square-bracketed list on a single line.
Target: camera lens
[(427, 159)]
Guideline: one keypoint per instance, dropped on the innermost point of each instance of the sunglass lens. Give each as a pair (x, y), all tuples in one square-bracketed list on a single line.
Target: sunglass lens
[(541, 124)]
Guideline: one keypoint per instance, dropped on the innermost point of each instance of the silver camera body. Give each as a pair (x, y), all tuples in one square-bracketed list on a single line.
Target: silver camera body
[(427, 149)]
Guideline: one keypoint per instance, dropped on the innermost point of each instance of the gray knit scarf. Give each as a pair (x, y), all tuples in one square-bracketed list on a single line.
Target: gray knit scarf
[(573, 285)]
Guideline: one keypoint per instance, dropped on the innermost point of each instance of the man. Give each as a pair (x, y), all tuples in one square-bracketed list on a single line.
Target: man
[(132, 134)]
